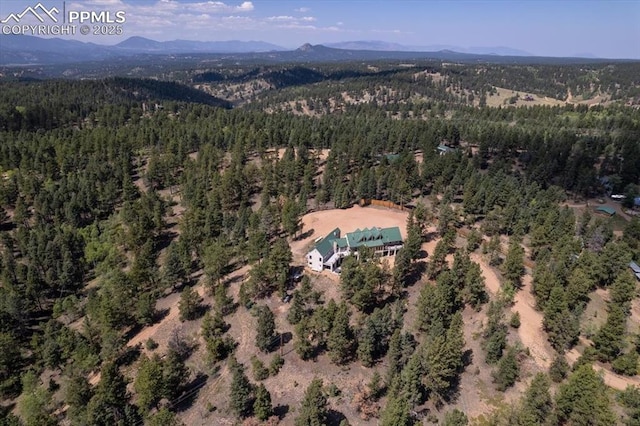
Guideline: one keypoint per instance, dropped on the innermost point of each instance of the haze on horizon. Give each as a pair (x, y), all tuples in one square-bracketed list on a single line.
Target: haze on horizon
[(607, 29)]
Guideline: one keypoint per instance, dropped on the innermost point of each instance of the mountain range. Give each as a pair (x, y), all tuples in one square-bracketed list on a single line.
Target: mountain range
[(29, 50), (22, 50), (384, 46)]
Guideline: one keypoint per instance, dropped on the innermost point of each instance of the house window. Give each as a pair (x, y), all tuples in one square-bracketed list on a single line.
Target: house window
[(320, 259)]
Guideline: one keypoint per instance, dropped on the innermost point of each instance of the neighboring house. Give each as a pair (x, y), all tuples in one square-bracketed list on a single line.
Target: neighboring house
[(391, 157), (636, 202), (606, 210), (329, 251), (636, 269), (444, 149)]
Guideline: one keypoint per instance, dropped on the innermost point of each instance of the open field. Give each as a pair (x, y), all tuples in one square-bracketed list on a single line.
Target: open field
[(503, 95)]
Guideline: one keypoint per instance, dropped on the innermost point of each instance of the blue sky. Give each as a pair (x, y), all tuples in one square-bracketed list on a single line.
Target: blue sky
[(555, 28)]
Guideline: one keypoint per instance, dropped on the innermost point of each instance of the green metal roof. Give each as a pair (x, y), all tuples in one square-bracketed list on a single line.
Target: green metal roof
[(373, 237), (325, 246), (606, 209), (341, 242)]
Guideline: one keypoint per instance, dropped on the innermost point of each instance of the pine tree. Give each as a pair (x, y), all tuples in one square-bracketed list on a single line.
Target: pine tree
[(508, 370), (340, 339), (367, 345), (266, 328), (35, 403), (110, 403), (559, 368), (262, 408), (455, 344), (455, 418), (164, 417), (559, 323), (514, 263), (149, 383), (623, 290), (216, 259), (223, 302), (537, 404), (626, 364), (396, 413), (583, 399), (297, 311), (241, 392), (438, 371), (579, 284), (313, 410), (609, 341), (411, 376), (77, 393), (495, 333), (174, 375), (414, 238), (174, 271), (303, 346), (474, 292), (291, 222), (394, 355), (401, 269), (189, 304), (213, 325)]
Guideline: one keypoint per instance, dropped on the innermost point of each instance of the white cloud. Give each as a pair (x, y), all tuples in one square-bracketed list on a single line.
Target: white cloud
[(307, 27), (206, 19), (215, 7), (388, 31), (105, 3), (282, 18)]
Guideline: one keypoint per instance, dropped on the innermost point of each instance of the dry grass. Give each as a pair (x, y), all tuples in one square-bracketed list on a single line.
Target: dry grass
[(503, 95)]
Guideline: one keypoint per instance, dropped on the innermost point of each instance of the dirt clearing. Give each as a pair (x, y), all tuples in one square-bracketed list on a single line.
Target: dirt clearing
[(530, 332), (319, 224)]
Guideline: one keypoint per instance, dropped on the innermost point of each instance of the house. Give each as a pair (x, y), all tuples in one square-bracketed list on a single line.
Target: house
[(636, 202), (329, 251), (322, 251), (391, 157), (606, 210), (635, 268), (444, 149)]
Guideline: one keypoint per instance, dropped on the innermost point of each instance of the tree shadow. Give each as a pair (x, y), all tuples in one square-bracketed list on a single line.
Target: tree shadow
[(281, 411), (287, 337), (129, 355), (453, 393), (467, 357), (163, 241), (161, 314), (429, 236), (305, 234), (190, 393), (416, 271), (335, 417)]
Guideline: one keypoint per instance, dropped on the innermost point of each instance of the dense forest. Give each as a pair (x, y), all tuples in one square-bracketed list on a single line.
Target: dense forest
[(126, 200)]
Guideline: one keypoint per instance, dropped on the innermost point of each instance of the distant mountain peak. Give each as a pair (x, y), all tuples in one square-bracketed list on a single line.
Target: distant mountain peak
[(305, 47)]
